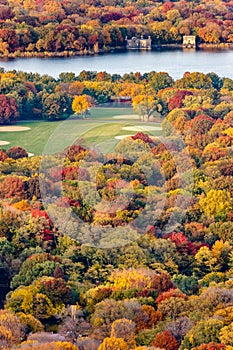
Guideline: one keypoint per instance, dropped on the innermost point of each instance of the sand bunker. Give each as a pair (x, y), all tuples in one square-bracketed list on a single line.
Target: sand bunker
[(13, 128), (3, 143), (142, 128), (127, 116), (120, 137)]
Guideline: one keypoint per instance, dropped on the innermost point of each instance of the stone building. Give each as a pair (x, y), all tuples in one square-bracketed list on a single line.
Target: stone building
[(189, 41), (136, 43)]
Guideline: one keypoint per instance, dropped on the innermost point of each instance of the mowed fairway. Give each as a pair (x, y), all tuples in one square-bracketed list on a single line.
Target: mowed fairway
[(99, 130)]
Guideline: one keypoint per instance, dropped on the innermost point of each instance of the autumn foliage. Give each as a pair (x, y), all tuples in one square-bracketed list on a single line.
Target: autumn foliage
[(165, 341), (210, 346), (8, 109), (154, 270)]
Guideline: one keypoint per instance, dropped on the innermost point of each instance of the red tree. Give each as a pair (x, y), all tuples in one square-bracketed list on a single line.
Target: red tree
[(161, 283), (9, 36), (170, 294), (183, 245), (8, 109), (176, 101), (56, 289), (199, 128), (165, 340), (17, 152), (12, 186), (144, 137), (3, 156)]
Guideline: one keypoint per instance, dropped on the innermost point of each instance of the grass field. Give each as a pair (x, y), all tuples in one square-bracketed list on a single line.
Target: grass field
[(99, 129)]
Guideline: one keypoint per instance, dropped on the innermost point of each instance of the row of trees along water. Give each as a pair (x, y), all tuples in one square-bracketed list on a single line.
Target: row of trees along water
[(46, 27), (32, 96)]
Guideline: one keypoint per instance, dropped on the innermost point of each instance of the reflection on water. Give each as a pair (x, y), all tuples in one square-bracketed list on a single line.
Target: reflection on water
[(174, 61)]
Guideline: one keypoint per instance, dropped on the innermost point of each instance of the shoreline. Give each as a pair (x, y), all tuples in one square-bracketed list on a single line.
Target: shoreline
[(108, 50)]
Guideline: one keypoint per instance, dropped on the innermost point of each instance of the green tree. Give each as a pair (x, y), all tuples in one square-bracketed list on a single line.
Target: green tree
[(205, 331), (56, 106), (35, 266), (187, 284), (160, 80), (194, 80)]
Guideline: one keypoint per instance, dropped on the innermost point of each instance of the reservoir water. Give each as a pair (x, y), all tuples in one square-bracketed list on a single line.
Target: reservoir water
[(174, 61)]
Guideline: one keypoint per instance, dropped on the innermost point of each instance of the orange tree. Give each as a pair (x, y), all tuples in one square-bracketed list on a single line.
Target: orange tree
[(81, 104)]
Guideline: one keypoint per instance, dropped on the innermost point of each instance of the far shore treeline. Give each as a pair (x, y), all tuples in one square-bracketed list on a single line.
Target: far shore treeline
[(64, 27)]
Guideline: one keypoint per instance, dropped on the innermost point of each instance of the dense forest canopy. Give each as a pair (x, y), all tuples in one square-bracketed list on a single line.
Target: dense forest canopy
[(46, 27), (159, 288)]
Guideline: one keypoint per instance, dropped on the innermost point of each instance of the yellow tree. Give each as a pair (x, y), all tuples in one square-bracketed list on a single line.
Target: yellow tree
[(210, 33), (9, 328), (4, 47), (226, 314), (147, 348), (129, 278), (217, 203), (205, 262), (145, 105), (5, 336), (221, 251), (226, 335), (29, 5), (29, 323), (81, 104), (128, 89), (124, 329), (54, 7), (35, 345), (113, 344), (228, 132)]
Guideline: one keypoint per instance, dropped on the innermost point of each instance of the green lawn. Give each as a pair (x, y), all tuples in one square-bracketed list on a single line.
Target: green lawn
[(99, 129), (103, 113)]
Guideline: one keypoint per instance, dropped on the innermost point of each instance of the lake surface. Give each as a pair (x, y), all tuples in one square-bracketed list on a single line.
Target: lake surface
[(174, 61)]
